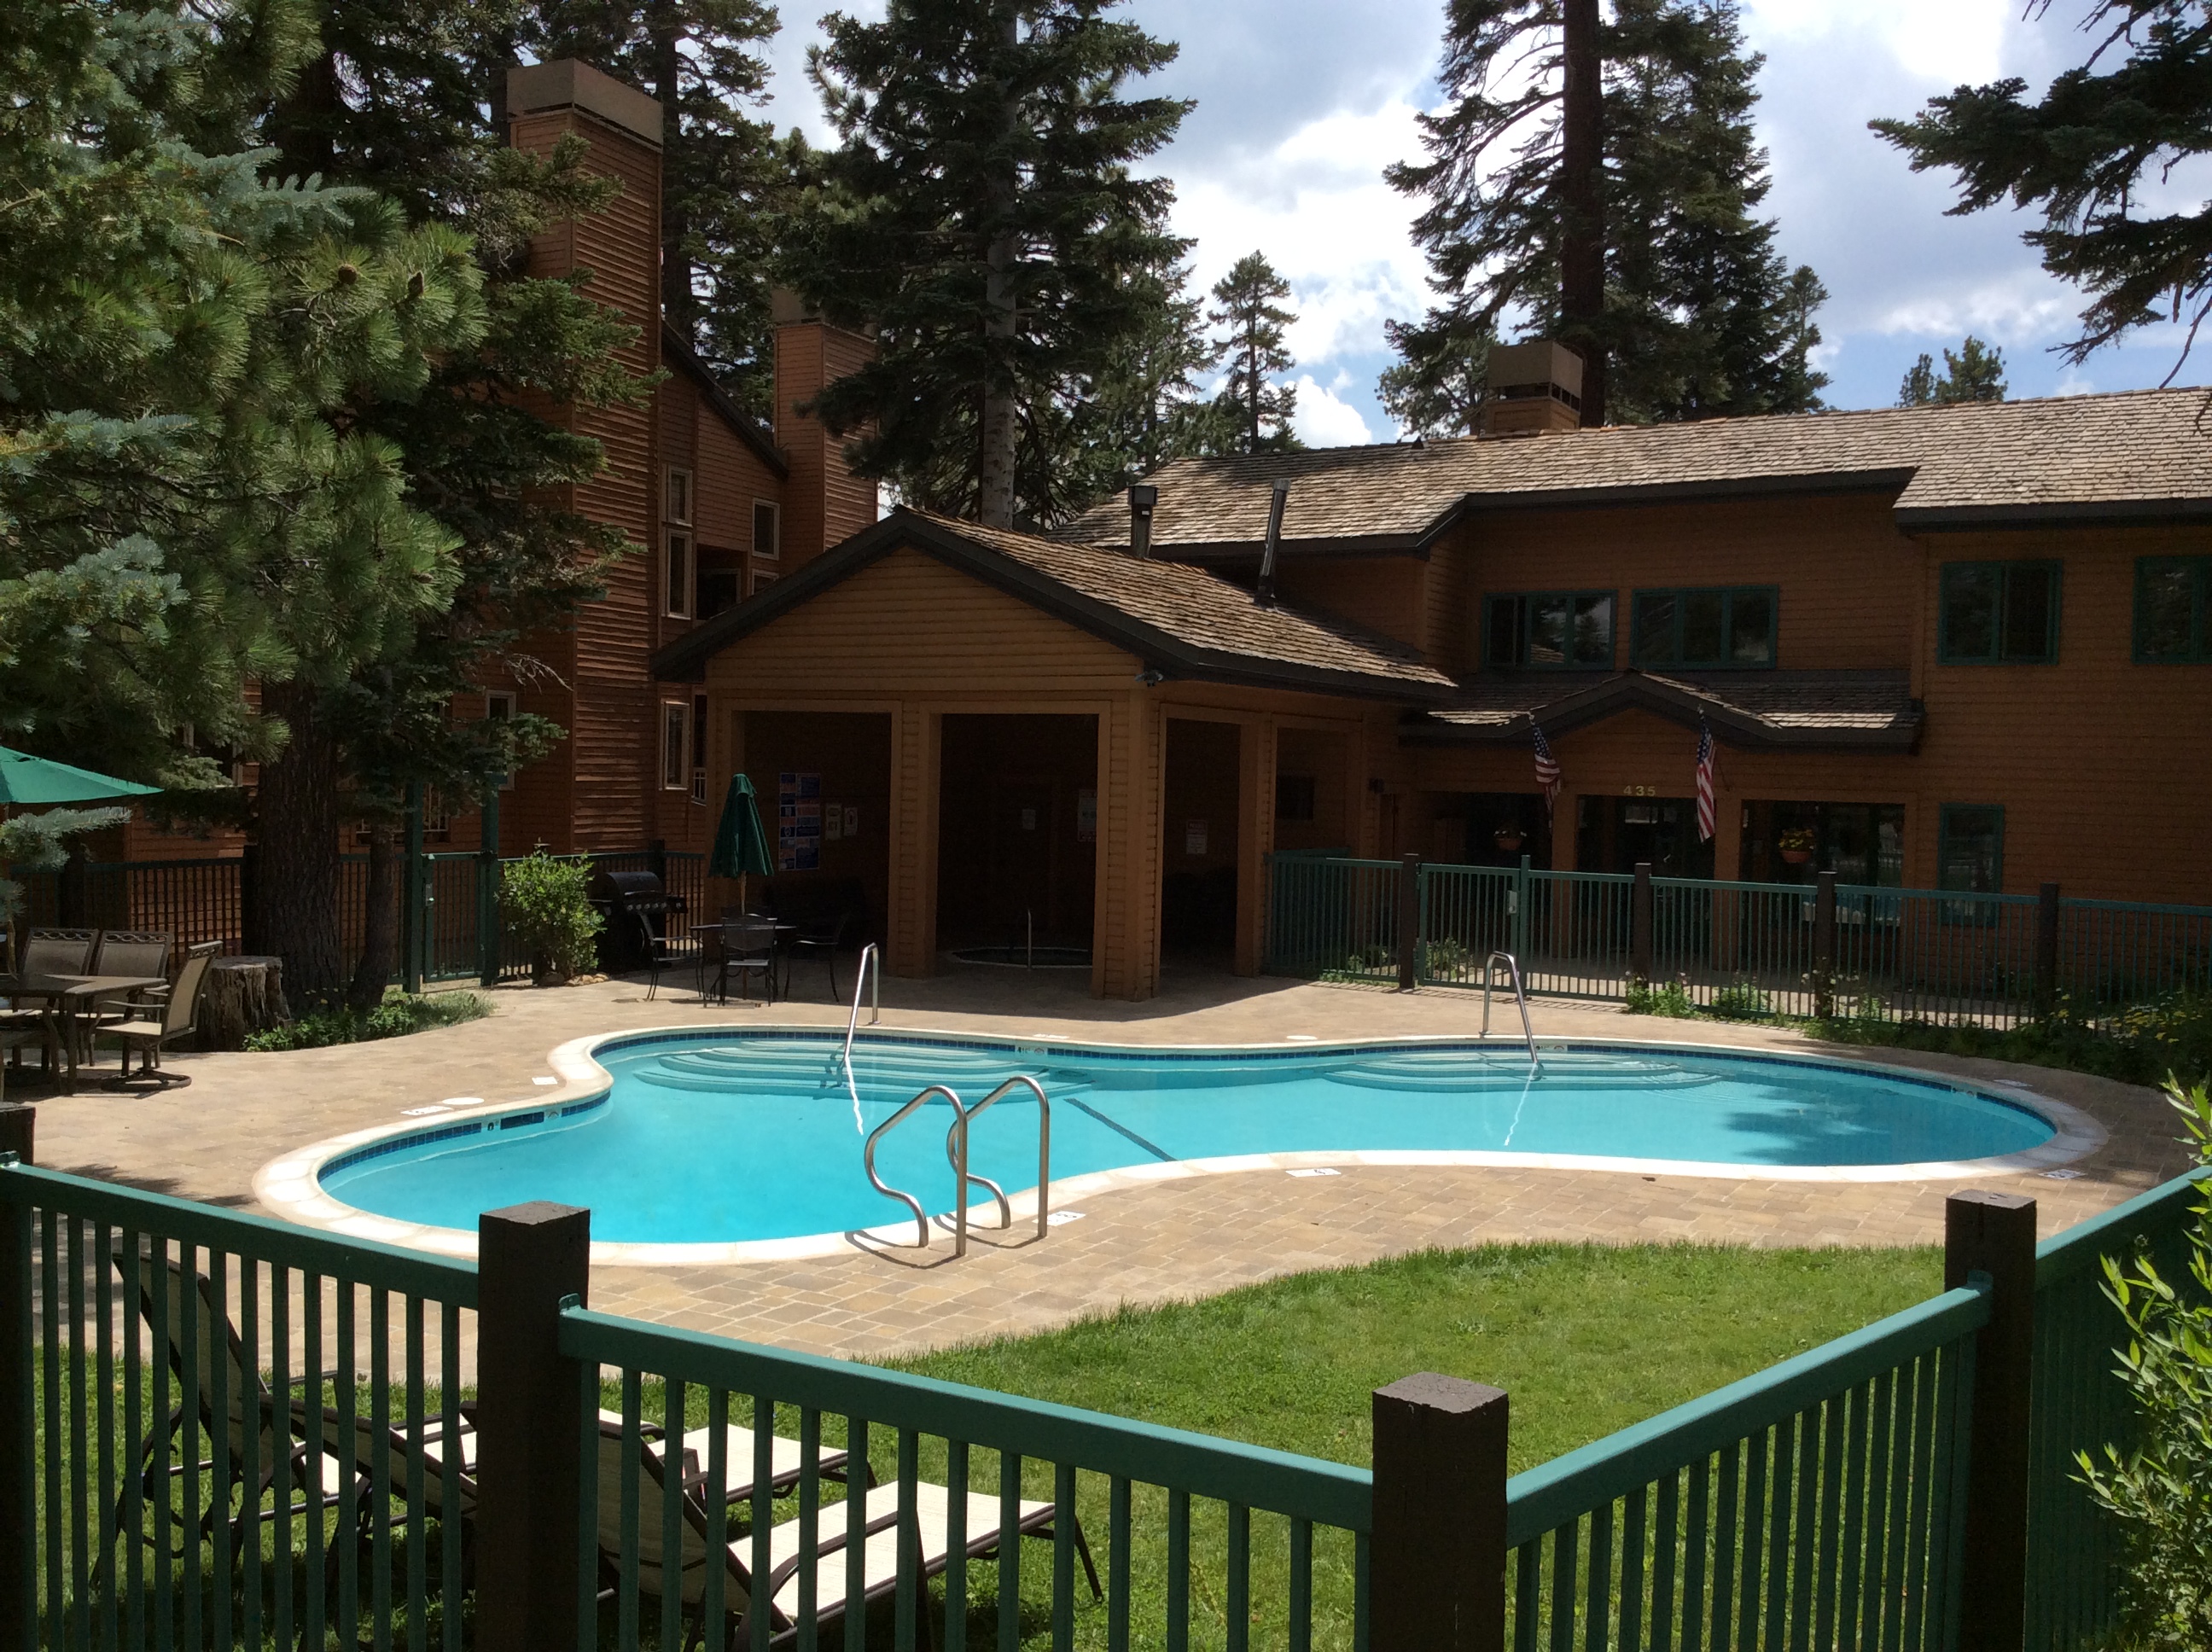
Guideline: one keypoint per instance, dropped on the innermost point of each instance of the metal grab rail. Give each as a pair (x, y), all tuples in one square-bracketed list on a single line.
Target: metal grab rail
[(962, 1176), (871, 969), (868, 1161), (1513, 970)]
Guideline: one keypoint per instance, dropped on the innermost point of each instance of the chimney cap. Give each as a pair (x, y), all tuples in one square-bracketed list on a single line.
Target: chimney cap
[(1525, 369), (565, 83), (1143, 495)]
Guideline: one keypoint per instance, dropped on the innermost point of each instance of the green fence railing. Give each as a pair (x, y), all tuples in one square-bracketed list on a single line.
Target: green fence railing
[(1784, 948), (218, 1429)]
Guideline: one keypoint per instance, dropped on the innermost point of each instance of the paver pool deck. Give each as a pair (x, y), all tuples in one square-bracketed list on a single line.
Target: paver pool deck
[(1177, 1239)]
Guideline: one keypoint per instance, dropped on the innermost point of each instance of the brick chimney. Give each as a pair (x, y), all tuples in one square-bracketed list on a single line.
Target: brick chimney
[(823, 502), (1533, 388)]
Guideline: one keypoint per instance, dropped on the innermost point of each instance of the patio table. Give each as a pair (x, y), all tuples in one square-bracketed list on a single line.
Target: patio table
[(69, 994), (782, 932)]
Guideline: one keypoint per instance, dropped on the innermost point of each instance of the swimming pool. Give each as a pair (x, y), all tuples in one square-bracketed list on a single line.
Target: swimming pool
[(734, 1138)]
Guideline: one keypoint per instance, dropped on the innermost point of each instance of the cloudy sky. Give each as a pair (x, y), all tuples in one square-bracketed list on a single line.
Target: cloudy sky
[(1301, 104)]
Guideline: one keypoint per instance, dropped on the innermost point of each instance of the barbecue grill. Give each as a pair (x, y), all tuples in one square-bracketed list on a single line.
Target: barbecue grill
[(636, 910)]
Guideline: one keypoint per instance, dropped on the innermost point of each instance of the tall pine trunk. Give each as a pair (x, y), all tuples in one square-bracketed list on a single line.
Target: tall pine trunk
[(1000, 435), (380, 931), (1582, 201), (294, 910)]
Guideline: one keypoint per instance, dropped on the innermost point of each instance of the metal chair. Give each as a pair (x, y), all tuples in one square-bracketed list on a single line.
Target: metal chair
[(822, 938), (741, 946), (45, 952), (179, 1015), (128, 952)]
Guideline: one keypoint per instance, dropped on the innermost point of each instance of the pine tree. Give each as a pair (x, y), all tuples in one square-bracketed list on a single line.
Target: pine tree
[(1436, 386), (1147, 405), (1698, 314), (2097, 154), (980, 215), (1972, 372), (1248, 305)]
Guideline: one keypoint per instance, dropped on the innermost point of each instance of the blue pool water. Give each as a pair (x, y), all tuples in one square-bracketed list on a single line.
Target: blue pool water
[(703, 1139)]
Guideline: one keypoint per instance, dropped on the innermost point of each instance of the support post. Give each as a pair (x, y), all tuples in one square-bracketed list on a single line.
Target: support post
[(1639, 926), (414, 889), (1438, 1552), (1824, 944), (73, 890), (1409, 922), (19, 1480), (529, 1418), (1520, 913), (2046, 950), (1994, 1234), (487, 917)]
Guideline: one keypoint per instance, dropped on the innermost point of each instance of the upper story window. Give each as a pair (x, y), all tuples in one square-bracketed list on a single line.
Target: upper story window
[(500, 705), (2174, 609), (676, 507), (676, 745), (676, 557), (1552, 629), (1727, 626), (767, 529), (1998, 613)]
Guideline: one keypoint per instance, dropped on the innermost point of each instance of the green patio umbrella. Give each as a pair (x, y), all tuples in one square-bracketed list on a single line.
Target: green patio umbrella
[(27, 780), (740, 846)]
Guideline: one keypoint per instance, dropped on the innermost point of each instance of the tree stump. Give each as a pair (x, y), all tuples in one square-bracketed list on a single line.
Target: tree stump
[(241, 995)]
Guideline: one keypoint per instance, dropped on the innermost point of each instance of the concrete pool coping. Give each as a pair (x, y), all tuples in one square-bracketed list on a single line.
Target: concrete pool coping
[(290, 1185)]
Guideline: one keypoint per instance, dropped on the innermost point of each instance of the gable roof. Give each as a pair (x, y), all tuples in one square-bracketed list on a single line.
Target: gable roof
[(1181, 620), (676, 351), (2135, 454), (1800, 710)]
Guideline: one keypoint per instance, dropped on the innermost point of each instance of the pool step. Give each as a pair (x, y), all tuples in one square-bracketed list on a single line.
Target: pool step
[(1463, 1072)]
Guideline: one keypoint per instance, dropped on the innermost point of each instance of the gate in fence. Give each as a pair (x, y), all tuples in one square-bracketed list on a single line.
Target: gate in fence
[(219, 1430), (1788, 949)]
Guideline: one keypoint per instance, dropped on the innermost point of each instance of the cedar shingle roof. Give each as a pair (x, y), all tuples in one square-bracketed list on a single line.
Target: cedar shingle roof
[(1180, 620), (1859, 709), (2139, 453)]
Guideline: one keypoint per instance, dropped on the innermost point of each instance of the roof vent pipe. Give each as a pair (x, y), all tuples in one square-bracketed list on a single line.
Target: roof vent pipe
[(1143, 496), (1265, 593)]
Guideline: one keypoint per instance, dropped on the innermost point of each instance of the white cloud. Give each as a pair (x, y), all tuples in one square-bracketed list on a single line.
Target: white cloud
[(1324, 419)]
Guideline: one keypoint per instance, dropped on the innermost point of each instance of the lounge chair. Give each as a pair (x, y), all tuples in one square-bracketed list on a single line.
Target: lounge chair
[(178, 1016), (697, 1546), (280, 1438)]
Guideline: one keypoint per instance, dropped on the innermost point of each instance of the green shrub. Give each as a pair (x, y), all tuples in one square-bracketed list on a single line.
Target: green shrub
[(2146, 1043), (2162, 1491), (547, 903), (1670, 998), (1740, 1001), (399, 1015)]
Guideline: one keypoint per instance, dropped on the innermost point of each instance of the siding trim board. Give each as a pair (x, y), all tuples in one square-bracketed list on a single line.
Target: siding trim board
[(1680, 703)]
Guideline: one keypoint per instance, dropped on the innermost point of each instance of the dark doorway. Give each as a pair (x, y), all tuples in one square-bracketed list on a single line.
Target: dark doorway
[(1198, 876), (1503, 826), (822, 784), (1017, 831), (1613, 834)]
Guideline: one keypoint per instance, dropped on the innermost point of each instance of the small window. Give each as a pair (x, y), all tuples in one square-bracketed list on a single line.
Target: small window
[(1970, 858), (767, 530), (2174, 609), (678, 566), (500, 707), (698, 747), (761, 580), (1294, 796), (674, 745), (1729, 627), (677, 506), (1999, 613), (1555, 629)]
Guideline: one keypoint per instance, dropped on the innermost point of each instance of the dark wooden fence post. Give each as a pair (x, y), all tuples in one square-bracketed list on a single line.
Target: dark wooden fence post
[(1409, 922), (1436, 1556), (488, 926), (2046, 950), (1994, 1234), (414, 892), (1824, 944), (1639, 925), (19, 1569), (529, 1413)]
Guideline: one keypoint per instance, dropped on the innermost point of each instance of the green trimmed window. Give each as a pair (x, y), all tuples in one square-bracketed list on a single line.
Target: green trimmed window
[(1999, 614), (1556, 630), (1717, 628), (1970, 859), (2174, 609)]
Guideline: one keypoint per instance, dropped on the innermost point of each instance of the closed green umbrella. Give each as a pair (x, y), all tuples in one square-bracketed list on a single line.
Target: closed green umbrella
[(25, 779), (740, 846)]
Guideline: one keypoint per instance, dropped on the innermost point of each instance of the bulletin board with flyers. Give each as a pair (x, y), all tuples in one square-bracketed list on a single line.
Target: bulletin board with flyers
[(799, 821)]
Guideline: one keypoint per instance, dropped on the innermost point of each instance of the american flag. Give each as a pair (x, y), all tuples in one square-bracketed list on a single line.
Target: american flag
[(1705, 782), (1547, 768)]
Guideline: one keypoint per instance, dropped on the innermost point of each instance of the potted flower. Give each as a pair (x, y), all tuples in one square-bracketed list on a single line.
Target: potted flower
[(1796, 845), (1507, 839)]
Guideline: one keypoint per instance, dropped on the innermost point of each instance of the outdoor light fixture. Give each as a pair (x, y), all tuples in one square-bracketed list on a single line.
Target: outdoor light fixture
[(1152, 678)]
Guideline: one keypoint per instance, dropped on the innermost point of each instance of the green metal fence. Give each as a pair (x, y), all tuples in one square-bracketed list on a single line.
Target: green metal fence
[(1754, 948)]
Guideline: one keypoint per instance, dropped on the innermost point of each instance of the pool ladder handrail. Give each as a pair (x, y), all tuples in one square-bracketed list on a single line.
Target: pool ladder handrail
[(962, 1176), (1520, 997), (868, 1161), (871, 969)]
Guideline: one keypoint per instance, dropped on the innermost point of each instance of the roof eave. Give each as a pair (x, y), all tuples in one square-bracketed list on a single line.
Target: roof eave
[(2080, 514), (742, 425)]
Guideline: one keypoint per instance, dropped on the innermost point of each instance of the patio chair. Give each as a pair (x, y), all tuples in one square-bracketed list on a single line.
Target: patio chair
[(694, 1548), (281, 1445), (128, 952), (59, 951), (45, 952), (179, 1018), (819, 937), (743, 946)]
